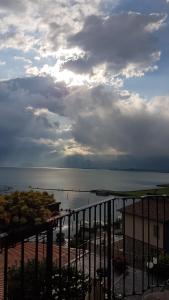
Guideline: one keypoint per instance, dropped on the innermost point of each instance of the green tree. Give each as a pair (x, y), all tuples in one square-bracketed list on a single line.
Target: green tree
[(20, 208)]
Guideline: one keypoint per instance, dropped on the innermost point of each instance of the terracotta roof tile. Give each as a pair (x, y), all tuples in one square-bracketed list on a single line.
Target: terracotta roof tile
[(14, 256), (155, 210)]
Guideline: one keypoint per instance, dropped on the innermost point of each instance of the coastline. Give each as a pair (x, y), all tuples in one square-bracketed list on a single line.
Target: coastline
[(160, 189)]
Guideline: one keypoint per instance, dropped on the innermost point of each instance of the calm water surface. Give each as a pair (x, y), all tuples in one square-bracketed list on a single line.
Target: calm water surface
[(78, 179)]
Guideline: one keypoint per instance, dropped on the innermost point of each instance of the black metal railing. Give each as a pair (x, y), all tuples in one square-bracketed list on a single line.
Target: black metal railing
[(108, 250)]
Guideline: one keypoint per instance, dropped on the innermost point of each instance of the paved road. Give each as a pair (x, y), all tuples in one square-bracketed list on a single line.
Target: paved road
[(138, 276)]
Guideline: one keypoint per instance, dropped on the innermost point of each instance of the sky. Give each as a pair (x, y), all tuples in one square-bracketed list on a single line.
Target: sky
[(84, 83)]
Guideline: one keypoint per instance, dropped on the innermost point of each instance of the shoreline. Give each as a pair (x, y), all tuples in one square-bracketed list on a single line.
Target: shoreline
[(160, 189)]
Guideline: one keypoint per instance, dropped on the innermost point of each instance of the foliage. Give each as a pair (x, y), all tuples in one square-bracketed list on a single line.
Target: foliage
[(163, 259), (159, 190), (78, 243), (60, 238), (68, 283), (19, 208), (161, 268)]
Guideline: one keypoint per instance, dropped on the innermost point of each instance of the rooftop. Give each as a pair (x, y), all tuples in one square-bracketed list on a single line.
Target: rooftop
[(154, 208), (29, 254)]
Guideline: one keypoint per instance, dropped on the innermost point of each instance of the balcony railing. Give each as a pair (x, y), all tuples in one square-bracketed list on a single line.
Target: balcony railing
[(109, 250)]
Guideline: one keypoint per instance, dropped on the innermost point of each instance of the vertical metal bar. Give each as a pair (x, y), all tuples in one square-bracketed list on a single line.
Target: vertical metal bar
[(158, 228), (100, 239), (124, 247), (148, 214), (6, 272), (76, 260), (164, 228), (134, 250), (60, 255), (142, 201), (43, 242), (109, 260), (49, 262), (84, 245), (69, 222), (113, 250), (105, 246), (95, 229), (89, 249), (22, 269), (36, 263)]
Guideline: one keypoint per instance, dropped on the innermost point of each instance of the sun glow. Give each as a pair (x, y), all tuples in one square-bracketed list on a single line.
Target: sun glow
[(59, 74)]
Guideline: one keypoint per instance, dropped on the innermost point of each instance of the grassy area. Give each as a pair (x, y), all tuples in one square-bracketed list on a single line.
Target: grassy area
[(159, 190)]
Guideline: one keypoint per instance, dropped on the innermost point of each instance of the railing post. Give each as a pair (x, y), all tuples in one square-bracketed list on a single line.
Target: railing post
[(5, 272), (109, 259), (49, 262)]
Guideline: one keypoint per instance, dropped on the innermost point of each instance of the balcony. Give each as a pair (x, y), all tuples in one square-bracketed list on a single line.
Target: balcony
[(114, 249)]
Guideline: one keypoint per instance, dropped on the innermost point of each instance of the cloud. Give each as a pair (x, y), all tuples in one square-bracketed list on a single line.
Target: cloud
[(80, 42), (47, 22), (119, 123), (112, 40), (43, 122), (30, 109), (2, 63), (81, 115), (17, 5)]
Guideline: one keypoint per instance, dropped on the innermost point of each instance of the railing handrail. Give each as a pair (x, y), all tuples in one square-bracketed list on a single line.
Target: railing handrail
[(33, 229)]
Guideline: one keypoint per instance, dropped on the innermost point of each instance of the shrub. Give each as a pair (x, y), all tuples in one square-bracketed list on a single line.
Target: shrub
[(60, 238), (20, 208), (161, 268), (67, 284), (79, 243)]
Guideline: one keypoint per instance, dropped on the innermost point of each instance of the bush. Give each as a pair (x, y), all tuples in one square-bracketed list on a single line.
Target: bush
[(69, 284), (161, 268), (21, 208), (79, 243), (163, 259), (60, 238)]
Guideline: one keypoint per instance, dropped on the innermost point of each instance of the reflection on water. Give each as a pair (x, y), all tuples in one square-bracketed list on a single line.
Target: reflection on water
[(22, 178)]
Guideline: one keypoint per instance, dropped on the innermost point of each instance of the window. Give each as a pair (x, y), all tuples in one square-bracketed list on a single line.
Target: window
[(156, 231)]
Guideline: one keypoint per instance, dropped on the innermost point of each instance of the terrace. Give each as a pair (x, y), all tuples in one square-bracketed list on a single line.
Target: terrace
[(114, 249)]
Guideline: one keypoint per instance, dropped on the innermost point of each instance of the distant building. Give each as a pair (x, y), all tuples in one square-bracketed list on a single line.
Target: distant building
[(146, 226)]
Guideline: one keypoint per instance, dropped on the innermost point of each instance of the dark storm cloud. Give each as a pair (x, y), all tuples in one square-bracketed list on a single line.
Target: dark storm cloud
[(21, 126), (106, 119), (114, 125), (39, 92), (112, 40), (151, 163)]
